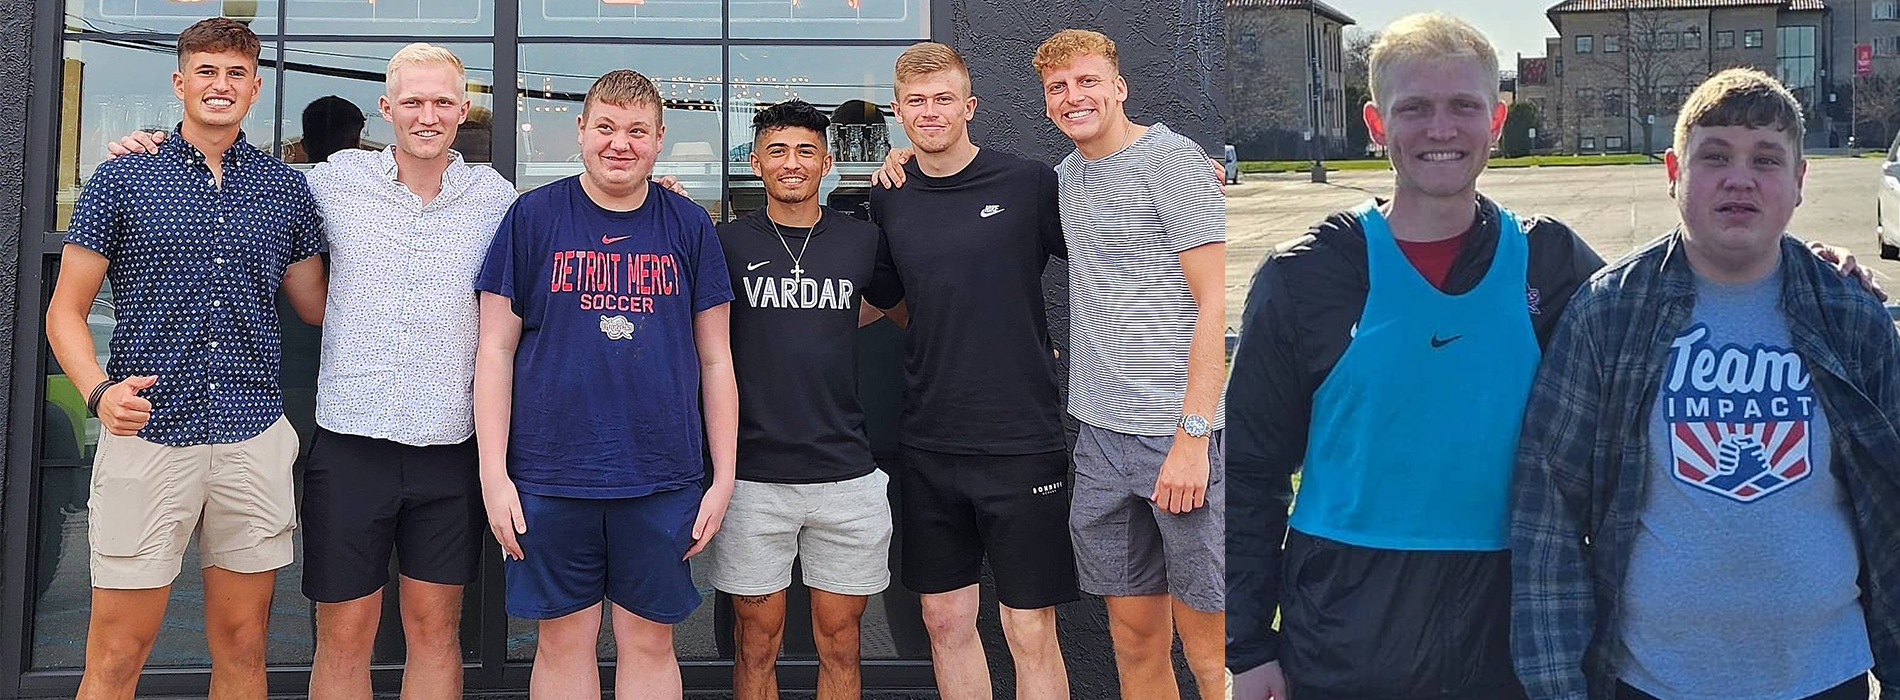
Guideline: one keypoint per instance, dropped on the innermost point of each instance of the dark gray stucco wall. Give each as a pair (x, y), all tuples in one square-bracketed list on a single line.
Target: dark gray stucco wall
[(16, 32), (1173, 54)]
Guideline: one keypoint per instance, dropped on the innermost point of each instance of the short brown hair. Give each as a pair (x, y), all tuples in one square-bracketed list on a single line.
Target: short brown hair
[(217, 35), (1070, 44), (1741, 97), (624, 88), (926, 58)]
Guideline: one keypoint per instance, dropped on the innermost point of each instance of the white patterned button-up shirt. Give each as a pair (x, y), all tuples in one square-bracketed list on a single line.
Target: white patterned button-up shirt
[(399, 330)]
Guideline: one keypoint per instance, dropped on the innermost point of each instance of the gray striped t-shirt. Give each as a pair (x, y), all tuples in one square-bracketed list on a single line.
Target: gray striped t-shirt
[(1127, 217)]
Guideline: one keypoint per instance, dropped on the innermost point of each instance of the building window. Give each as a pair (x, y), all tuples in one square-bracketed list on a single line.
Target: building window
[(1751, 39), (1887, 46), (1668, 41), (1692, 38), (1725, 39), (1584, 42), (1612, 43), (835, 55), (1795, 61), (1586, 102), (1587, 144), (1613, 103), (1612, 144), (1886, 9)]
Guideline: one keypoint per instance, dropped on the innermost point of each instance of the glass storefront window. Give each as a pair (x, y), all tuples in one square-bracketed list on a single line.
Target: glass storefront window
[(112, 87), (382, 17), (851, 84), (355, 73), (553, 83), (624, 18), (165, 16), (831, 19)]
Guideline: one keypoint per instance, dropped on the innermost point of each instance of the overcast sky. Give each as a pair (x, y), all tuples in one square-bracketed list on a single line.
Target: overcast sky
[(1514, 26)]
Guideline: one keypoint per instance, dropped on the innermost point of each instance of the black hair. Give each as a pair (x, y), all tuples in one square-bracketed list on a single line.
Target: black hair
[(330, 124), (790, 114)]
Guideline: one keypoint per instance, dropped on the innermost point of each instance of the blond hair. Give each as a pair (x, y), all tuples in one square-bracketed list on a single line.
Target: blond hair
[(929, 58), (1428, 36), (624, 88), (1741, 97), (1070, 44), (425, 54)]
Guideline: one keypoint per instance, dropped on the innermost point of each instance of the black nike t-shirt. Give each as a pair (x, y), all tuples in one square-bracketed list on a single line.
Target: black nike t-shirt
[(793, 323), (970, 249)]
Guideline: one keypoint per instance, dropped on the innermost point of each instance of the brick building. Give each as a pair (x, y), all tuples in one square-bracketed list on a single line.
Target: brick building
[(1270, 83), (1618, 69)]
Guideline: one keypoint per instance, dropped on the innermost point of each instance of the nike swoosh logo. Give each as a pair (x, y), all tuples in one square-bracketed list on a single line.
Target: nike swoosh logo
[(1442, 342), (989, 211), (615, 239), (757, 265)]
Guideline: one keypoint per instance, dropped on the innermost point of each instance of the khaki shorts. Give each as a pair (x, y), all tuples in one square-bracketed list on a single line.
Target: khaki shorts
[(147, 498)]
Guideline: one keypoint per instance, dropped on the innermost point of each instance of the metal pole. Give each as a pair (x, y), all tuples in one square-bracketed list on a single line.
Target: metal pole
[(1312, 59)]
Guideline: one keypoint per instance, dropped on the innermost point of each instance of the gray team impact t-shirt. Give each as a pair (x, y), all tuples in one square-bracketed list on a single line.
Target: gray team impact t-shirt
[(1743, 575)]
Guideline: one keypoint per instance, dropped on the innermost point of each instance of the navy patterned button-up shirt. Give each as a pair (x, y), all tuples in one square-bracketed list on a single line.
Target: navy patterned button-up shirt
[(195, 264)]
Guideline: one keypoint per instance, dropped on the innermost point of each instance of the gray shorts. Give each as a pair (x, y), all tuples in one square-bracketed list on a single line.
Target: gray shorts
[(1124, 544), (840, 532)]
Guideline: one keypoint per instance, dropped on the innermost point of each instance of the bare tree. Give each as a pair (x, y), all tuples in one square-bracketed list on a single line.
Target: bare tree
[(1651, 69), (1358, 50), (1877, 100)]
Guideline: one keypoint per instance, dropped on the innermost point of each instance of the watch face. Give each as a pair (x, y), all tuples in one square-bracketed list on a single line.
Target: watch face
[(1195, 425)]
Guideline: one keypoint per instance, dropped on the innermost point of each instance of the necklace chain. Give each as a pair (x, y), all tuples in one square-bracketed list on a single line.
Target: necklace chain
[(798, 267)]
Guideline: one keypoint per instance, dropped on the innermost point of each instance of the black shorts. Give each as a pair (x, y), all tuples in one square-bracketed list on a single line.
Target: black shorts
[(363, 497), (1014, 508)]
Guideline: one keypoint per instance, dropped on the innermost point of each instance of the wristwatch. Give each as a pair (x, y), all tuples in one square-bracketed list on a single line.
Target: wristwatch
[(1195, 425)]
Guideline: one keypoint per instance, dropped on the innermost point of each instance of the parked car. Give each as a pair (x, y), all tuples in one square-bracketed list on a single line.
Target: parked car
[(1233, 165), (1887, 204)]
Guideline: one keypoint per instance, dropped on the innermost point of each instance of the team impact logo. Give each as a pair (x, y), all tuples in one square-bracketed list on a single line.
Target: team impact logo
[(1738, 418)]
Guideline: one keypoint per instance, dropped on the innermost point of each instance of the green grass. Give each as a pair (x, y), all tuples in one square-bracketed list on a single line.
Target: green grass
[(1298, 166)]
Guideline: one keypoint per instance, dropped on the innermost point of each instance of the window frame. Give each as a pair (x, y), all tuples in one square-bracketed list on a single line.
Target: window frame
[(43, 244)]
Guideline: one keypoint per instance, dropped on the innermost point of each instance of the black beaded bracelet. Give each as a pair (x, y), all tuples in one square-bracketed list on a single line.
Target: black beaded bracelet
[(98, 392)]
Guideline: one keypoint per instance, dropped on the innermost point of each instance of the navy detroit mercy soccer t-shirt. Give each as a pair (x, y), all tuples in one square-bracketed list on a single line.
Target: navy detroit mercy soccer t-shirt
[(606, 389)]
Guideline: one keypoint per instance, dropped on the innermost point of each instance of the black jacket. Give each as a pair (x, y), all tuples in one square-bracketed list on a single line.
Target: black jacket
[(1299, 314)]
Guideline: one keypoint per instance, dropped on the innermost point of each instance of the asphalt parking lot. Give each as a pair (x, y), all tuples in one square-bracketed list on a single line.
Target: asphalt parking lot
[(1614, 207)]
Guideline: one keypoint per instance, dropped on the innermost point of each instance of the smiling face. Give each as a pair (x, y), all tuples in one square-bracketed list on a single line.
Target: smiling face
[(425, 103), (1737, 188), (217, 88), (791, 160), (1085, 98), (618, 144), (935, 109), (1438, 129)]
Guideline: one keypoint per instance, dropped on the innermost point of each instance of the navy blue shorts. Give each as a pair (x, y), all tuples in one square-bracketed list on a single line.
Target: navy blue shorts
[(626, 550)]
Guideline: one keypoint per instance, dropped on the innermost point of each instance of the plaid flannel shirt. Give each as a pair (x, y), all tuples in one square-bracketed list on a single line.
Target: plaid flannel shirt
[(1585, 444)]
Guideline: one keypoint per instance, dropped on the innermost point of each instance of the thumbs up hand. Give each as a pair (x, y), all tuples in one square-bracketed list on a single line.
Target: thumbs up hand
[(121, 410)]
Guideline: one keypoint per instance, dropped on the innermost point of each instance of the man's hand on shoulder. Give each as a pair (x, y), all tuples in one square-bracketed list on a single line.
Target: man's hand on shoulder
[(135, 142), (891, 174)]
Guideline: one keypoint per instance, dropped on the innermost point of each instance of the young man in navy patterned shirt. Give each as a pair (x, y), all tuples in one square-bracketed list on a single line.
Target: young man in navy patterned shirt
[(196, 240)]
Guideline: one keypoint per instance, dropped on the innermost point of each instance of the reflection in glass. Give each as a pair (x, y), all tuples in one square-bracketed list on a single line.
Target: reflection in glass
[(411, 17), (62, 577), (831, 19), (628, 18), (317, 76), (113, 87), (851, 84), (554, 81), (166, 16)]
